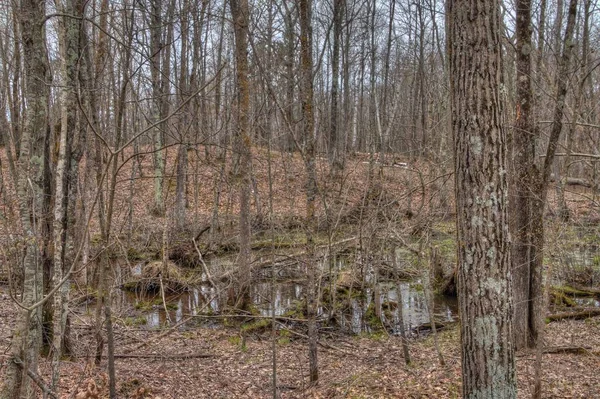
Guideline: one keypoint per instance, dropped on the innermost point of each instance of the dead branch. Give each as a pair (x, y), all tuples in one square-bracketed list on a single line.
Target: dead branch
[(37, 379), (165, 357), (578, 350), (204, 266)]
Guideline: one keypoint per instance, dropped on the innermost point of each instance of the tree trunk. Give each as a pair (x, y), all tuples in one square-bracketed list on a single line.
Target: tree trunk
[(70, 52), (243, 146), (525, 173), (485, 299), (306, 84), (183, 92), (536, 309), (159, 73), (26, 339), (335, 154)]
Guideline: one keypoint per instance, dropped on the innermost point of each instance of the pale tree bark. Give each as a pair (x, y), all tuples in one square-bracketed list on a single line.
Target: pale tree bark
[(485, 297), (306, 87), (183, 92), (243, 147), (387, 119), (422, 99), (348, 114), (13, 98), (26, 339), (288, 140)]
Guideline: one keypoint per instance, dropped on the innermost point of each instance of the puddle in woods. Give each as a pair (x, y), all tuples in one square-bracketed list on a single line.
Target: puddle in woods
[(355, 315), (288, 296)]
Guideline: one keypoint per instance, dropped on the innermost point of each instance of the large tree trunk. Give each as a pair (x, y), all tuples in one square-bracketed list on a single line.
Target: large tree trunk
[(485, 297)]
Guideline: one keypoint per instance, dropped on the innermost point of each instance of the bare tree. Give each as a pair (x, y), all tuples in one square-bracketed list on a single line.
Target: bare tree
[(70, 51), (243, 146), (306, 85), (26, 339)]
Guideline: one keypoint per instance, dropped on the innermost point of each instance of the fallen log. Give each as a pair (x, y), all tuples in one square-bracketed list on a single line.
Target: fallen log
[(587, 291), (575, 181), (577, 315), (577, 350), (167, 357)]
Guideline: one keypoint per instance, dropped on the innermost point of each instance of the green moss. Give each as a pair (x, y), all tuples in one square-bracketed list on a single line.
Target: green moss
[(238, 341), (135, 321), (379, 335), (133, 254), (574, 292), (235, 340), (130, 286), (372, 320), (95, 238), (143, 305), (296, 311), (259, 325), (446, 227), (417, 287)]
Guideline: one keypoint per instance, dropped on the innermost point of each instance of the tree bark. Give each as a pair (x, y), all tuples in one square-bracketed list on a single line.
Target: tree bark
[(70, 52), (335, 154), (26, 339), (525, 173), (243, 146), (306, 84), (485, 297)]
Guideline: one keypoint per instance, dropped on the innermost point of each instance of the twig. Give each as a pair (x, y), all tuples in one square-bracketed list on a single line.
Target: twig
[(208, 276), (162, 293)]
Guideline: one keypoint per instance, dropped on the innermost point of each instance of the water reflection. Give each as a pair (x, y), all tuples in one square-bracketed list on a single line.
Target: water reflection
[(289, 294)]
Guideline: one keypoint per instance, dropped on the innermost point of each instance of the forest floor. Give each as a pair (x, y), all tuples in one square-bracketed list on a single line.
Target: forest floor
[(200, 361)]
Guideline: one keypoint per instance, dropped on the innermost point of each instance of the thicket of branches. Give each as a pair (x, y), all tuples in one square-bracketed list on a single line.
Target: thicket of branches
[(193, 97)]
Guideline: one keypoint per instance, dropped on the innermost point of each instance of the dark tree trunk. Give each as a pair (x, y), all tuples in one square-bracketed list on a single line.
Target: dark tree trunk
[(306, 84), (524, 178), (335, 154), (243, 146)]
